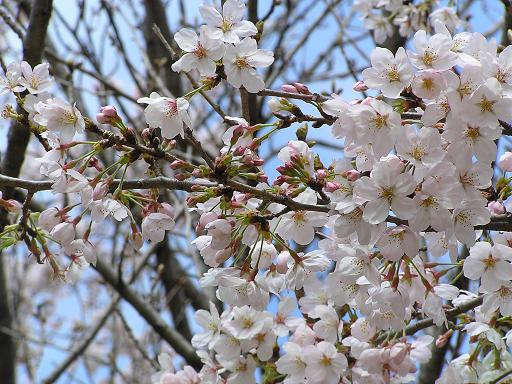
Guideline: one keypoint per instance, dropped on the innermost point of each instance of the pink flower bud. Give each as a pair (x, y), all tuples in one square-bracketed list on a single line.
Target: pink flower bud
[(102, 119), (321, 174), (360, 86), (353, 175), (109, 110), (301, 88), (239, 151), (262, 178), (505, 162), (107, 115), (282, 262), (177, 164), (331, 186), (167, 209), (289, 88), (496, 207), (281, 179)]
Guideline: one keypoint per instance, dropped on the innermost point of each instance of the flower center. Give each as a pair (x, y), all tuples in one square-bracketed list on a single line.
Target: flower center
[(427, 83), (417, 152), (325, 361), (241, 62), (247, 323), (387, 193), (472, 133), (380, 120), (393, 74), (299, 217), (486, 105), (490, 262), (226, 25), (172, 108), (429, 57), (200, 51)]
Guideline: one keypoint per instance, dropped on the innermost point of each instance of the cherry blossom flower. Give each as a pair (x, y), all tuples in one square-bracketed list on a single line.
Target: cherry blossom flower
[(397, 241), (391, 74), (202, 51), (500, 298), (303, 266), (433, 53), (486, 105), (246, 322), (228, 27), (324, 363), (241, 369), (327, 327), (154, 226), (490, 264), (210, 321), (292, 363), (385, 189), (471, 139), (380, 25), (166, 113), (35, 80), (466, 216), (240, 61), (378, 125), (64, 233), (107, 206), (299, 226), (81, 248), (59, 117), (11, 81)]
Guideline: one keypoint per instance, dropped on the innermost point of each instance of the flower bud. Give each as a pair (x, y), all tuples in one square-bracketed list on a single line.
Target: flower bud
[(360, 86), (107, 115), (289, 88), (274, 105), (496, 207), (301, 88), (331, 186), (167, 209), (353, 175), (321, 174), (505, 162), (178, 163)]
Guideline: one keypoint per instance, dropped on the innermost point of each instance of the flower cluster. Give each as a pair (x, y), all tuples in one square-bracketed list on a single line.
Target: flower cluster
[(226, 40), (383, 16)]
